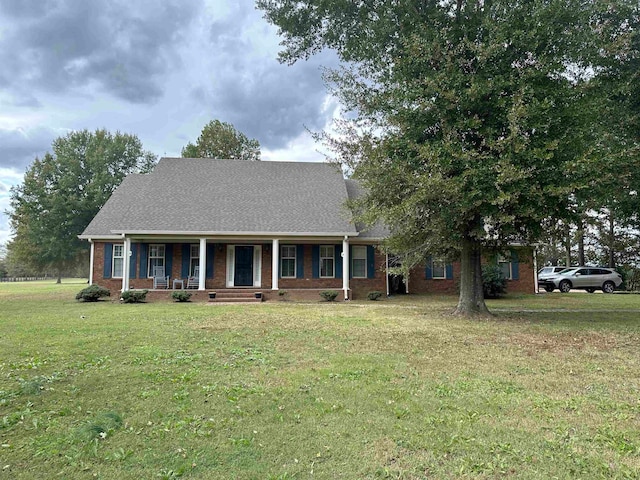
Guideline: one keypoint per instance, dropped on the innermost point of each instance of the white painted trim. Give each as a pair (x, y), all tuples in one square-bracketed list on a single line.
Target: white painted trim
[(91, 258), (366, 260), (345, 267), (275, 260), (320, 257), (257, 266), (90, 238), (444, 268), (202, 264), (231, 234), (231, 267), (126, 264)]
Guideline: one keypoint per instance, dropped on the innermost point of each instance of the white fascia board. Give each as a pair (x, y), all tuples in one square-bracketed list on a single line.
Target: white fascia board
[(232, 235), (100, 237)]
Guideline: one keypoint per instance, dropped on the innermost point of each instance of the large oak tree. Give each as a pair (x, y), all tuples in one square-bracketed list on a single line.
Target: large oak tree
[(63, 191), (467, 119)]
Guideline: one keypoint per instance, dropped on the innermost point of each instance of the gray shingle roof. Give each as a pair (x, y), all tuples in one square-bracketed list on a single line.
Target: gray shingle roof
[(377, 231), (228, 196)]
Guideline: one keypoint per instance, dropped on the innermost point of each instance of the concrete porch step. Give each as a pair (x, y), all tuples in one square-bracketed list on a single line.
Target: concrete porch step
[(235, 296), (235, 300)]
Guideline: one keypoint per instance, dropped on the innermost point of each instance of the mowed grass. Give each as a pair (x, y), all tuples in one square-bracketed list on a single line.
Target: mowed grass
[(549, 388)]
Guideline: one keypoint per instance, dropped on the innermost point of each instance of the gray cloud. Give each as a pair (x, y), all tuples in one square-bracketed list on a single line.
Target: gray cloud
[(264, 99), (18, 147), (276, 103), (124, 47)]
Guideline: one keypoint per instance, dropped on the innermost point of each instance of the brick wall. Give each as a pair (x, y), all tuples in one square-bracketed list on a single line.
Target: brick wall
[(359, 286), (525, 284)]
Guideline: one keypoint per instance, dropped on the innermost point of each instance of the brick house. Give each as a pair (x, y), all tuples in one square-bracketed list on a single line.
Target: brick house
[(255, 226)]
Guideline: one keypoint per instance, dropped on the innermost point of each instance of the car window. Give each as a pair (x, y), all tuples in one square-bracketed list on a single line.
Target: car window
[(584, 271), (566, 270)]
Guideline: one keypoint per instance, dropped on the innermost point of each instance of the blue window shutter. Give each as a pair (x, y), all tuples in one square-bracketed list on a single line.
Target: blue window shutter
[(168, 259), (300, 261), (448, 271), (350, 261), (133, 260), (427, 271), (273, 252), (186, 259), (315, 260), (144, 254), (371, 261), (515, 265), (211, 249), (108, 258), (337, 258)]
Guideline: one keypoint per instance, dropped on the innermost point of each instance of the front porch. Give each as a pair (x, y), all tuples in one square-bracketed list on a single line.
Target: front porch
[(301, 267)]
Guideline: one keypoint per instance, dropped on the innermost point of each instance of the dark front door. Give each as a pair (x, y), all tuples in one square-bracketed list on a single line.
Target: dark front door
[(244, 267)]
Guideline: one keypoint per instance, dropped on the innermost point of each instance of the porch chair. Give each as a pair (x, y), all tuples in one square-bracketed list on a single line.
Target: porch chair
[(193, 281), (160, 280)]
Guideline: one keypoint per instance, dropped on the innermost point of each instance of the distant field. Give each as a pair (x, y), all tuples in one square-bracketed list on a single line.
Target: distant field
[(549, 388)]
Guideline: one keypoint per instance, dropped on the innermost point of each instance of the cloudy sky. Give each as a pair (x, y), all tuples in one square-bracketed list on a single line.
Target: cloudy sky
[(159, 69)]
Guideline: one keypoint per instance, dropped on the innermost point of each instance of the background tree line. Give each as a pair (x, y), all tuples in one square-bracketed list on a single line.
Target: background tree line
[(62, 192)]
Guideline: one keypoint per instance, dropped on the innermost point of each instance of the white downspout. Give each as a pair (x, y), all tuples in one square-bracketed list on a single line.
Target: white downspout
[(91, 254), (125, 264), (345, 267), (202, 267), (275, 259)]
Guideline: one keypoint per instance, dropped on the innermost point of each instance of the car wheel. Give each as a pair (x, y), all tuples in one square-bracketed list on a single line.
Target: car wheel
[(549, 288), (608, 287), (565, 286), (591, 290)]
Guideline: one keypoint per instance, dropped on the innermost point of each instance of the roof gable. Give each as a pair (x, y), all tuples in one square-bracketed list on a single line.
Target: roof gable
[(226, 197)]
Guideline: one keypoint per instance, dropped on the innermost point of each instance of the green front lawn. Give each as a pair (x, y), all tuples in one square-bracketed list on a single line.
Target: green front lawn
[(550, 387)]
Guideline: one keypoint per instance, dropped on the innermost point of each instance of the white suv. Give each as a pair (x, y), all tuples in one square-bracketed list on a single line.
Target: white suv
[(546, 273), (584, 278)]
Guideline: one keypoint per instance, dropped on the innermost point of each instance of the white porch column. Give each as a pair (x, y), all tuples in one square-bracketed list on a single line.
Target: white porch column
[(202, 270), (91, 254), (275, 260), (536, 287), (345, 267), (125, 264)]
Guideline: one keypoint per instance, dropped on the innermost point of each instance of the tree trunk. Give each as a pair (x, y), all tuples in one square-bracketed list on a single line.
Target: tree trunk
[(59, 279), (580, 239), (471, 300), (567, 245), (612, 239)]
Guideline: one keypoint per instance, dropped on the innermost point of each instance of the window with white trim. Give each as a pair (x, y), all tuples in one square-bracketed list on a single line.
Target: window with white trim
[(117, 266), (156, 258), (327, 261), (438, 269), (194, 259), (505, 266), (359, 261), (288, 261)]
